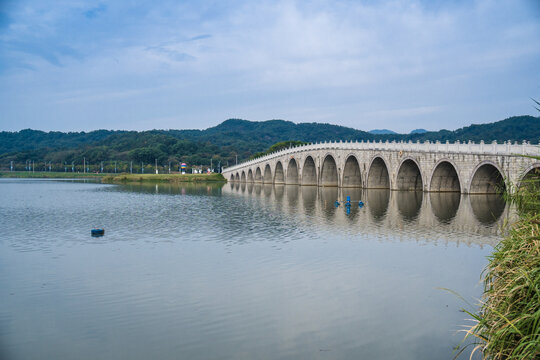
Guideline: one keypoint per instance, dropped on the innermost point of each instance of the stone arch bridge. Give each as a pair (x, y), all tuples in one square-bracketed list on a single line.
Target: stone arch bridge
[(430, 166)]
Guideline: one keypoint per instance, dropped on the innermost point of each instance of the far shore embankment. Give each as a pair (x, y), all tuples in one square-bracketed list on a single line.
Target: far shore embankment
[(49, 175), (118, 178), (164, 178)]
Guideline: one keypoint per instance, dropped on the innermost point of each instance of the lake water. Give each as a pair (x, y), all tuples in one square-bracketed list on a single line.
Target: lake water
[(237, 271)]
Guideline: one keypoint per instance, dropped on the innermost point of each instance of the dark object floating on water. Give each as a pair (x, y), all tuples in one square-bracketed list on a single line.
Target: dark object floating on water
[(98, 232)]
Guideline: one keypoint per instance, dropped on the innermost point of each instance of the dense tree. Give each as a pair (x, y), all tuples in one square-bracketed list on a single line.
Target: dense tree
[(224, 142)]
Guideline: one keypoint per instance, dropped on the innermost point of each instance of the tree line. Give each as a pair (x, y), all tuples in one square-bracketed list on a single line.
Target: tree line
[(224, 144)]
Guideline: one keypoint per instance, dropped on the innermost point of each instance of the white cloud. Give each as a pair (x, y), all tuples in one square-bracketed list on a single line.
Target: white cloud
[(379, 61)]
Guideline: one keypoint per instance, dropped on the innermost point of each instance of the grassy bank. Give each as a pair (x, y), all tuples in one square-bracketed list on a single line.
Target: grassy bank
[(117, 178), (47, 175), (167, 178), (508, 323)]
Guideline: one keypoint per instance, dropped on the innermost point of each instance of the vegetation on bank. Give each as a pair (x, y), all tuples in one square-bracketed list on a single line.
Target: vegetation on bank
[(168, 178), (116, 178), (508, 322), (48, 175)]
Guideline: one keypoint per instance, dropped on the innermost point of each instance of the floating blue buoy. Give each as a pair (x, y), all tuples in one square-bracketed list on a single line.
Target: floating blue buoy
[(348, 209), (360, 204), (97, 232), (336, 203)]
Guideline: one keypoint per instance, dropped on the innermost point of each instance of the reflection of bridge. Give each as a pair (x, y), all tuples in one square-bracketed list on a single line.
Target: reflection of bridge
[(466, 168), (469, 219)]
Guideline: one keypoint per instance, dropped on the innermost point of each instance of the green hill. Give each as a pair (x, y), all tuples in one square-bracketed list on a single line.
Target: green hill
[(231, 138)]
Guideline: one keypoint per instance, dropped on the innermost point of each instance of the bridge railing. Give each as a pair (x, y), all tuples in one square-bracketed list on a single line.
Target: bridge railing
[(507, 148)]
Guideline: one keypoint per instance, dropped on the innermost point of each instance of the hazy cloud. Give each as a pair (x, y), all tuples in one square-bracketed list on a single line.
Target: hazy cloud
[(394, 64), (200, 37)]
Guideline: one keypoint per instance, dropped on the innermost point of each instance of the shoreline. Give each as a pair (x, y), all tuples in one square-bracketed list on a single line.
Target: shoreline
[(118, 178), (162, 178), (47, 175)]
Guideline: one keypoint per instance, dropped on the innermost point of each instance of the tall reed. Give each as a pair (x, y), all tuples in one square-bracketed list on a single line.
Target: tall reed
[(508, 321)]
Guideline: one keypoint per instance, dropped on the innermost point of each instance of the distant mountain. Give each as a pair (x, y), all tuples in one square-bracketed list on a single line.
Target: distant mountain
[(231, 138), (381, 132), (418, 131)]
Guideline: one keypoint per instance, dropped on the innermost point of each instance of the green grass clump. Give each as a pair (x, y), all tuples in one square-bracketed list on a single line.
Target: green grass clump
[(508, 322)]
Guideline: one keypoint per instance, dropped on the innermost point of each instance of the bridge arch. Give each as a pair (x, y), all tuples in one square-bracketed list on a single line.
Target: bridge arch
[(378, 177), (292, 172), (258, 175), (243, 177), (309, 172), (409, 176), (531, 177), (267, 178), (329, 172), (232, 177), (237, 177), (279, 177), (351, 173), (444, 177), (250, 176), (486, 178)]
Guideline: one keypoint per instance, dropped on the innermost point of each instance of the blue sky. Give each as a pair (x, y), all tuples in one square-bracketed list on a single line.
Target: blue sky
[(83, 65)]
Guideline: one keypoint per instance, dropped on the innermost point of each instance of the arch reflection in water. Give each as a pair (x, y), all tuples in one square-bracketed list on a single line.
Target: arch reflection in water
[(355, 195), (377, 203), (409, 204), (292, 196), (487, 208), (391, 214), (328, 199), (267, 189), (293, 193), (445, 205), (279, 191), (309, 199)]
